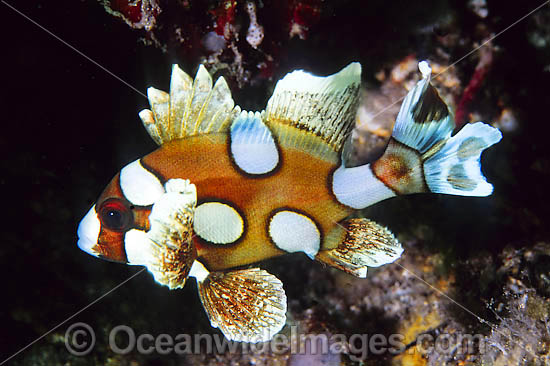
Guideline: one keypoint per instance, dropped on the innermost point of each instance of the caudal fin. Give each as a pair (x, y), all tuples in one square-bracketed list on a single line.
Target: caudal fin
[(455, 168), (423, 157)]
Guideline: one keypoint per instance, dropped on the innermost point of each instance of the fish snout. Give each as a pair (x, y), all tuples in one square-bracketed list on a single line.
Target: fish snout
[(88, 232)]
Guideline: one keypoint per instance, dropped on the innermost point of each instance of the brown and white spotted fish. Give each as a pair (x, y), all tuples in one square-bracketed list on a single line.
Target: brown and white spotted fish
[(228, 188)]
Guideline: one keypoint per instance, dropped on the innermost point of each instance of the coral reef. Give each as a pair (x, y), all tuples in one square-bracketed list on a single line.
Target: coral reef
[(244, 39), (141, 14)]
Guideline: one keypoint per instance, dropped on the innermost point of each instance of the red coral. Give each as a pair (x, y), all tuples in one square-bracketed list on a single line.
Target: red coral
[(303, 15), (306, 14), (245, 39), (482, 68), (137, 14), (130, 10), (224, 15)]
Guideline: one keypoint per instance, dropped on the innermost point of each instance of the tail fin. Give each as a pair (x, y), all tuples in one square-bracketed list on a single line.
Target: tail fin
[(423, 157), (455, 168)]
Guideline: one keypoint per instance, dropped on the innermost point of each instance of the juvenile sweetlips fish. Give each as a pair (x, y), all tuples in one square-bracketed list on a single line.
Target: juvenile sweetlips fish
[(229, 188)]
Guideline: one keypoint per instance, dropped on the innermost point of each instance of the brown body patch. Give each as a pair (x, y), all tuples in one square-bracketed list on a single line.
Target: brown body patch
[(400, 169), (300, 182), (110, 246)]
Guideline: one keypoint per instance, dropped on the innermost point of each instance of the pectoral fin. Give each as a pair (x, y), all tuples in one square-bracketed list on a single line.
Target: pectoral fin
[(167, 249), (247, 305)]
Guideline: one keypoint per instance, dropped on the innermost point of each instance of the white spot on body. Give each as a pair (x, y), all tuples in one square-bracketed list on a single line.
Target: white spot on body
[(138, 247), (358, 188), (140, 186), (198, 271), (294, 232), (88, 232), (252, 145), (218, 223)]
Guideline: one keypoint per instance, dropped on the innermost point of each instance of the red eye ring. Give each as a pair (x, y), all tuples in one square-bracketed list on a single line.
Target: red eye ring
[(115, 215)]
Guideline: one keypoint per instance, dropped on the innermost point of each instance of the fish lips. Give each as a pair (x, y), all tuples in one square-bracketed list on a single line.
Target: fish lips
[(88, 232)]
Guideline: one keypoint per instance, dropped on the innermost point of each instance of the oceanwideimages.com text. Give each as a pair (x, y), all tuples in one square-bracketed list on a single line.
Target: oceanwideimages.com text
[(80, 340)]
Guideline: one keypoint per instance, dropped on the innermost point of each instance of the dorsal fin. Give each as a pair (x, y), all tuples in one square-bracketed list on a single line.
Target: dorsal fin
[(315, 113), (192, 107)]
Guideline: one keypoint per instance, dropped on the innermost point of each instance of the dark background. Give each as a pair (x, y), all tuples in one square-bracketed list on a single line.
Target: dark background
[(68, 127)]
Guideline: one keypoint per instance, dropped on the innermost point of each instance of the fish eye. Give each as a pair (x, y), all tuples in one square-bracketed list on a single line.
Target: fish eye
[(115, 215)]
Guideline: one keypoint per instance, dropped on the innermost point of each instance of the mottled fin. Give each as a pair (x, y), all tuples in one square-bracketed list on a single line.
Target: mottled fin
[(247, 305), (424, 118), (167, 249), (422, 156), (366, 244), (315, 114), (455, 167), (192, 107)]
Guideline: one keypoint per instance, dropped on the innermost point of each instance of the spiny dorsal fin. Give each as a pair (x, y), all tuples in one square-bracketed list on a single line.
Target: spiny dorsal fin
[(247, 305), (192, 107), (315, 106)]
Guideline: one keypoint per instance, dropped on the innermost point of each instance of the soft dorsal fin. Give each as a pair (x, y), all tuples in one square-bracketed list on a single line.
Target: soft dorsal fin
[(192, 107), (315, 113)]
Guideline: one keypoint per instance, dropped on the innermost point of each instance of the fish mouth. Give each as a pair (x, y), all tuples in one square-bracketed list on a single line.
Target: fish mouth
[(88, 232)]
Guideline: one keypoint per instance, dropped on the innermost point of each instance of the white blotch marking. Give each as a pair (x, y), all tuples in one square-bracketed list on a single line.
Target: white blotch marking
[(218, 223), (88, 232), (198, 271), (252, 145), (138, 247), (362, 272), (425, 68), (140, 186), (294, 232), (358, 188)]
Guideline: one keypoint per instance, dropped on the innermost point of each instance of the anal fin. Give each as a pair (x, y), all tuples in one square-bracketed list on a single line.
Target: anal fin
[(246, 305), (366, 244)]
